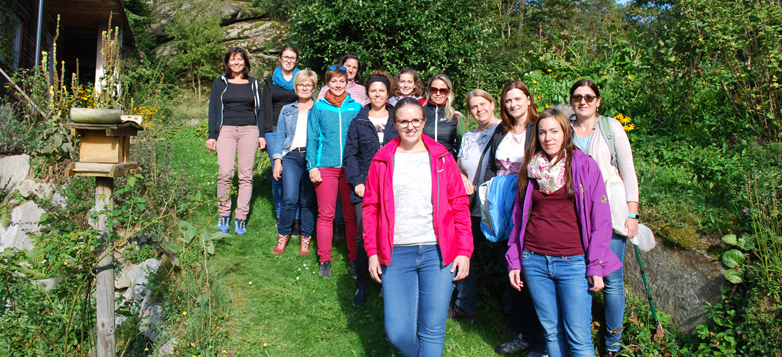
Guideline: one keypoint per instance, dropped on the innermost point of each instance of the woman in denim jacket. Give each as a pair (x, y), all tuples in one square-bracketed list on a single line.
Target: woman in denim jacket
[(288, 152)]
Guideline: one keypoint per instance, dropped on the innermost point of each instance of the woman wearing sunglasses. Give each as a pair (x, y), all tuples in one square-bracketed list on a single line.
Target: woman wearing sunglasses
[(278, 91), (442, 121), (351, 66), (417, 233), (560, 236), (589, 138), (407, 83), (327, 128)]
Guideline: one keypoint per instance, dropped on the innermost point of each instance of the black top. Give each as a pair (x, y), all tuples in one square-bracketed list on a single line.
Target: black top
[(361, 145), (216, 105), (446, 130), (238, 105), (274, 98)]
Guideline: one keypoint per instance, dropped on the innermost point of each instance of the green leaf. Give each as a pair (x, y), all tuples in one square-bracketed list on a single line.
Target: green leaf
[(210, 248), (132, 181), (734, 276), (730, 239), (732, 258), (187, 230)]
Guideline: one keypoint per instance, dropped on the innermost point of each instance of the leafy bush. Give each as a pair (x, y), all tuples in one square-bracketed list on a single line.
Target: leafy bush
[(14, 136)]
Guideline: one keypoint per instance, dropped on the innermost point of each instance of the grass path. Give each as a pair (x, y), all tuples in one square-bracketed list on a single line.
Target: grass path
[(280, 307)]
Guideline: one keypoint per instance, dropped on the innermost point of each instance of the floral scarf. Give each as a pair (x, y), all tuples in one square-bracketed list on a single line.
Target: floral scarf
[(550, 177)]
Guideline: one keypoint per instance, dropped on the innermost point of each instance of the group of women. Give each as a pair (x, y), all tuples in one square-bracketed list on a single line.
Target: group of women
[(395, 152)]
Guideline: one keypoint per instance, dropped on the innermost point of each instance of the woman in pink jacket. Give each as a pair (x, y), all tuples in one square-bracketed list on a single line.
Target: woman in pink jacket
[(416, 233)]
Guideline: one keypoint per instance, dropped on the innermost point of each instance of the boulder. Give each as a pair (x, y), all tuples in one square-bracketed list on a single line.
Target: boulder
[(168, 348), (680, 280), (236, 11), (25, 220), (121, 278), (28, 188), (49, 284), (151, 321), (13, 170), (139, 279)]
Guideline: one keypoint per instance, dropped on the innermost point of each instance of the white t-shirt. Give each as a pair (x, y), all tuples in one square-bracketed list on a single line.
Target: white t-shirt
[(473, 144), (510, 153), (413, 209), (380, 125), (300, 136)]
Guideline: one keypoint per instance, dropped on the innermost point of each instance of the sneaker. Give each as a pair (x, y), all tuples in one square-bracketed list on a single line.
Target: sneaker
[(325, 269), (305, 246), (222, 224), (239, 227), (339, 232), (360, 298), (282, 242), (458, 314), (512, 346), (352, 268), (296, 229)]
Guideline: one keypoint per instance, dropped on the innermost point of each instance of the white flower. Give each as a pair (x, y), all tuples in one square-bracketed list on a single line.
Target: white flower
[(251, 283)]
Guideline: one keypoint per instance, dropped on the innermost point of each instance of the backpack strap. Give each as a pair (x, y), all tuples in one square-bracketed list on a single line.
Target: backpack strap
[(608, 135)]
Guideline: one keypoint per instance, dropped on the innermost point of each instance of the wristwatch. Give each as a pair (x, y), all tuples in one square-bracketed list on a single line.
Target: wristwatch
[(634, 216)]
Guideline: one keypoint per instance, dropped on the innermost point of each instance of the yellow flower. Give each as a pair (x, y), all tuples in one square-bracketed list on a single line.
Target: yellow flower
[(539, 96), (534, 82), (184, 313), (225, 352), (265, 344), (546, 106), (629, 77), (548, 70)]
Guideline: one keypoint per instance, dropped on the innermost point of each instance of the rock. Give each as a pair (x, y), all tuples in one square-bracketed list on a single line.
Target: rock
[(121, 279), (194, 122), (680, 280), (29, 188), (168, 348), (139, 279), (258, 30), (151, 322), (49, 284), (235, 11), (13, 170), (25, 220), (59, 200)]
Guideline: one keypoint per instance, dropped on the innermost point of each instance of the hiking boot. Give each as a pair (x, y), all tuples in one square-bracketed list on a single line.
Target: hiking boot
[(352, 268), (296, 229), (360, 298), (222, 224), (512, 346), (325, 269), (458, 314), (339, 232), (282, 242), (305, 246), (239, 227)]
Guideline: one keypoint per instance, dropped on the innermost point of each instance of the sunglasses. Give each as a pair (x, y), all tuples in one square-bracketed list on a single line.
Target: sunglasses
[(331, 68), (442, 91), (577, 98)]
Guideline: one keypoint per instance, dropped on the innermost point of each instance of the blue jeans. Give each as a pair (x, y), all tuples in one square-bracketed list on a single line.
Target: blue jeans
[(467, 288), (560, 293), (276, 184), (416, 293), (614, 296), (297, 188)]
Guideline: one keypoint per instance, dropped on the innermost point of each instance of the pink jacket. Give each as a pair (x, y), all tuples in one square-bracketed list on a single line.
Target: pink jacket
[(451, 208)]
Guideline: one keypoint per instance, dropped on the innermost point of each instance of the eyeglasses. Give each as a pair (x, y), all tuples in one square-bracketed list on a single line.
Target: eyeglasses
[(305, 86), (405, 123), (442, 91), (288, 59), (577, 98), (331, 68)]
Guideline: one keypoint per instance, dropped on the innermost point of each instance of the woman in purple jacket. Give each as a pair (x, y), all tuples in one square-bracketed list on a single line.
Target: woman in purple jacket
[(562, 229)]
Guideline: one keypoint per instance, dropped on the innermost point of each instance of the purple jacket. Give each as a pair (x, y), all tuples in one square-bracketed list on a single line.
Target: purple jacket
[(594, 217)]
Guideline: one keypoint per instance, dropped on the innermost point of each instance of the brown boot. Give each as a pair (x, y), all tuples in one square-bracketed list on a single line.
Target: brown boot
[(305, 245), (282, 242)]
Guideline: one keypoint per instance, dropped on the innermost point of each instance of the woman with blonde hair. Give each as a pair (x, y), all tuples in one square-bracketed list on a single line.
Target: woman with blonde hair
[(290, 164), (407, 83), (443, 123)]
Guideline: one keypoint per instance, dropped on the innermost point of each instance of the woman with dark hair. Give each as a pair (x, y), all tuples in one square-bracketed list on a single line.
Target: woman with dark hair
[(589, 137), (327, 128), (351, 66), (560, 236), (236, 123), (416, 232), (278, 91), (290, 165), (365, 138), (505, 155), (407, 83), (442, 121)]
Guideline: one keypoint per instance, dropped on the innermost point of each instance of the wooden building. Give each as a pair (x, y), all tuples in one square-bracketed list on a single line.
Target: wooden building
[(81, 23)]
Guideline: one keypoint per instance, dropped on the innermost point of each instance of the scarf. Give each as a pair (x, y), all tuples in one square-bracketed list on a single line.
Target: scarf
[(279, 80), (336, 100), (550, 178)]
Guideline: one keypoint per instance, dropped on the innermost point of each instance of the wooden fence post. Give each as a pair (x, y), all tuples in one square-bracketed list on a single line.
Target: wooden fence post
[(104, 289)]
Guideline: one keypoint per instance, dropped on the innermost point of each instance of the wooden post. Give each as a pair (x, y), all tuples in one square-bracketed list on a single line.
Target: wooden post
[(104, 291)]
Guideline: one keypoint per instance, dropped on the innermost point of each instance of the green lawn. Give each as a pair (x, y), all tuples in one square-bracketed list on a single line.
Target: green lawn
[(280, 301)]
